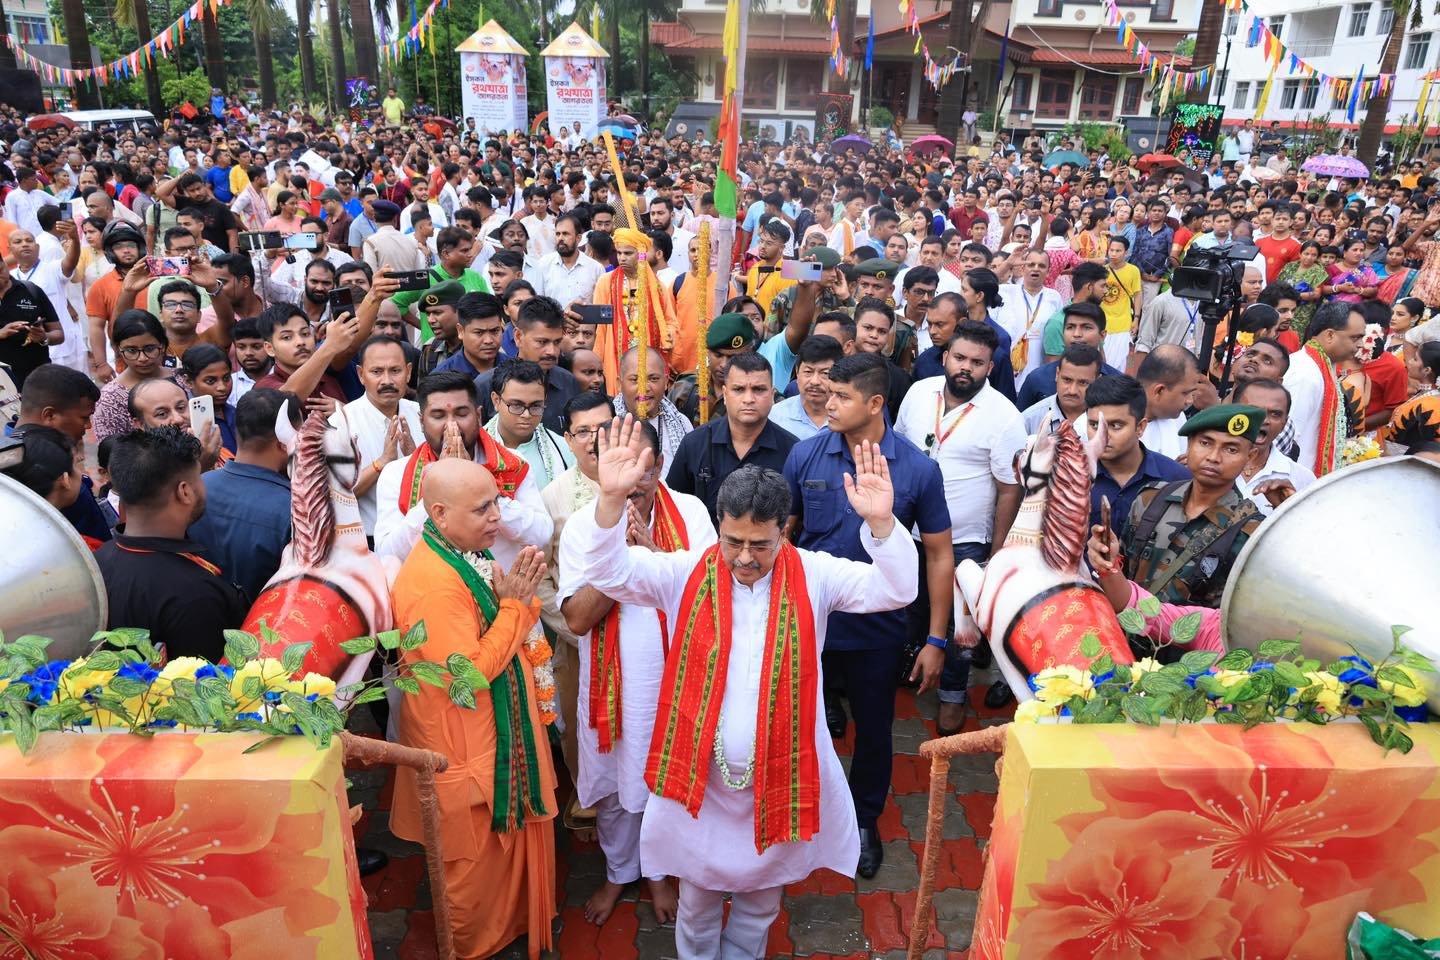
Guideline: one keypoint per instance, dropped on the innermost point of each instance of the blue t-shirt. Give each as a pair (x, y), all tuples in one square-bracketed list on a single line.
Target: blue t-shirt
[(219, 181), (1154, 466), (815, 470)]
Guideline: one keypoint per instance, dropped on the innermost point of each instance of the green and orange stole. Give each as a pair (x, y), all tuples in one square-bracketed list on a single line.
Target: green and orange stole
[(667, 529), (517, 793), (787, 770), (1332, 413), (505, 465)]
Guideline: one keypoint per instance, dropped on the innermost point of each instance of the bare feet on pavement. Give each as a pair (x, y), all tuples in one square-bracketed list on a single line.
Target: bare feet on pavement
[(602, 902), (663, 900)]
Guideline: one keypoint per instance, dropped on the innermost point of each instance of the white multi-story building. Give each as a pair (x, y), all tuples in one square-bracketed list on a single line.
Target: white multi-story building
[(1336, 39)]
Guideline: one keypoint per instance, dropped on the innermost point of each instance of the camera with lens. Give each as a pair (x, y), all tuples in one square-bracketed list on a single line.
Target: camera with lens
[(1212, 275)]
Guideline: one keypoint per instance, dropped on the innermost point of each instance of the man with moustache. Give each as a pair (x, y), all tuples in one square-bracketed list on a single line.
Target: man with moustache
[(382, 424), (804, 414), (539, 333), (643, 396), (1269, 477), (451, 427)]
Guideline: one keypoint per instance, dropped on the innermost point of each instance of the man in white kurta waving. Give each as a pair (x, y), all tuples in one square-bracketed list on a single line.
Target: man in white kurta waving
[(747, 792)]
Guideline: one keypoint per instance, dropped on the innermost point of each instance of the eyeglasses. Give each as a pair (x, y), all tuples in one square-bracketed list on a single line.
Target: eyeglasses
[(585, 433), (179, 305), (134, 353), (518, 409), (759, 548)]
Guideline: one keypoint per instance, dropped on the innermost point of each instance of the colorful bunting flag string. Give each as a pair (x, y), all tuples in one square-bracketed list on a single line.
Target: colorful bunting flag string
[(936, 74), (163, 44), (1172, 82)]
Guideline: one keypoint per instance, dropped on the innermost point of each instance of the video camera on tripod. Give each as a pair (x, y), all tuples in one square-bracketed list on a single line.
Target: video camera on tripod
[(1212, 276)]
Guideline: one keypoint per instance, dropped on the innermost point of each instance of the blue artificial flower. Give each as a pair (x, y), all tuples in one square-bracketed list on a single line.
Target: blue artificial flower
[(164, 723), (223, 670), (44, 680), (1103, 677), (1257, 667), (1420, 714), (1363, 673), (143, 672), (250, 715)]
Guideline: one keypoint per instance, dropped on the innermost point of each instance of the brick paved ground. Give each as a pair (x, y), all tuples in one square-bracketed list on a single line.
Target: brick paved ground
[(827, 916)]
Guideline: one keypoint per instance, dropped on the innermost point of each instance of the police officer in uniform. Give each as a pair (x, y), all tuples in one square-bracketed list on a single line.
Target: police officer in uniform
[(727, 335), (1182, 537)]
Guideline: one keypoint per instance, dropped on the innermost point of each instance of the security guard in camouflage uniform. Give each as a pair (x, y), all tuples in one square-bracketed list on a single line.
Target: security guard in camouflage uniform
[(727, 335), (438, 350), (828, 301), (1181, 538)]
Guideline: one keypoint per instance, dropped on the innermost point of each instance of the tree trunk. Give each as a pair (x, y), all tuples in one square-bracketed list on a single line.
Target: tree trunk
[(265, 64), (644, 61), (952, 95), (362, 23), (307, 50), (613, 23), (402, 24), (214, 52), (152, 70), (1207, 48), (1373, 128), (7, 56), (77, 38), (337, 52)]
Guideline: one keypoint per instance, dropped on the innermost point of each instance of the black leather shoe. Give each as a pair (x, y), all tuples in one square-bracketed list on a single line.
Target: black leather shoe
[(835, 718), (370, 860), (980, 656), (998, 695), (872, 854)]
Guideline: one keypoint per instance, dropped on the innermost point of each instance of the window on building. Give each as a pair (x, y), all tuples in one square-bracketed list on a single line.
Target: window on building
[(29, 29), (1387, 18), (1417, 54), (1020, 92), (1289, 94), (1048, 8), (1130, 104), (1255, 100), (1309, 94), (1162, 10), (802, 82), (1232, 23), (1057, 88), (1359, 19), (762, 81), (1276, 24), (1242, 95), (1097, 98)]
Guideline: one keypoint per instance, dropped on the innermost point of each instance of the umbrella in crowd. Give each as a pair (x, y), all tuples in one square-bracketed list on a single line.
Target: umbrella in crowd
[(623, 126), (1264, 173), (852, 142), (1334, 165), (931, 141), (1073, 157), (45, 121), (1153, 160)]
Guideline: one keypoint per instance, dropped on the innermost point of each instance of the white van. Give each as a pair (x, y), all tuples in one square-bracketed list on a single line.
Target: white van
[(131, 120)]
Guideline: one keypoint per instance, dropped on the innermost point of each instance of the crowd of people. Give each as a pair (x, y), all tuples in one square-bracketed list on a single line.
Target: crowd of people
[(536, 373)]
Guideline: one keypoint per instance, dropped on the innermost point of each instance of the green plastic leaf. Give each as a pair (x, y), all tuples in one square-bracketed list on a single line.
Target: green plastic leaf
[(24, 729), (127, 687), (1369, 694), (294, 656), (1291, 674), (251, 688), (1158, 683), (1141, 709), (1102, 665), (102, 661), (407, 685), (460, 666), (427, 672), (269, 639), (1398, 739), (1132, 621), (1183, 630), (461, 694), (1274, 649), (1090, 644), (1417, 661), (390, 639), (245, 643), (1237, 659), (358, 645), (369, 695), (1228, 717), (1149, 606), (1396, 632), (260, 744), (414, 638), (1373, 726), (1396, 676), (1198, 661)]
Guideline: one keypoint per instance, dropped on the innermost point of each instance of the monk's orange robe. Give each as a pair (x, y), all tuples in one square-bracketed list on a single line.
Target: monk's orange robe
[(685, 355), (605, 333), (499, 885)]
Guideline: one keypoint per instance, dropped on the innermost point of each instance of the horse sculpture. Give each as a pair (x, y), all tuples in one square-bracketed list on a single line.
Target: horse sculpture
[(1032, 601), (330, 588)]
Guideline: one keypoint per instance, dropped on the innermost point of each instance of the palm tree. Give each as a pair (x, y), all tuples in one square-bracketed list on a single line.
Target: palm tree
[(263, 15), (1406, 13), (337, 51), (77, 38), (307, 50), (1207, 46), (362, 25), (136, 14), (214, 52)]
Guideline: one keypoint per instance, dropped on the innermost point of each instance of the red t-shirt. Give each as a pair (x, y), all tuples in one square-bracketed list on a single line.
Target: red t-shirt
[(1277, 253), (1390, 384), (329, 386), (963, 220)]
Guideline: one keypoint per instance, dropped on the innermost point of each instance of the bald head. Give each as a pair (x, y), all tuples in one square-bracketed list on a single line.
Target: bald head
[(462, 498), (159, 402), (631, 358)]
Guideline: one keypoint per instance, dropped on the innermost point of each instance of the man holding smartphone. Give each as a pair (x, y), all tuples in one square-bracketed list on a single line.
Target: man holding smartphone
[(28, 325)]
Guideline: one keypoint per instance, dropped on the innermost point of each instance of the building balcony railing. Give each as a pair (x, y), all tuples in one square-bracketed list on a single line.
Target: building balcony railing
[(1311, 48)]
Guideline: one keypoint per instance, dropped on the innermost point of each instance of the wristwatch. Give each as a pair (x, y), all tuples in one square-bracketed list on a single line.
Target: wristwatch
[(933, 641)]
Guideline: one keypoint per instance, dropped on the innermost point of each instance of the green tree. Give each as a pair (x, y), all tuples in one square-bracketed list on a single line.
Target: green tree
[(1406, 13), (136, 15)]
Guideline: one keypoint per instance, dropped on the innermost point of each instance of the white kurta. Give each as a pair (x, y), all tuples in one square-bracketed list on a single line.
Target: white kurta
[(1306, 382), (716, 850), (367, 426), (523, 518), (1277, 466), (642, 665)]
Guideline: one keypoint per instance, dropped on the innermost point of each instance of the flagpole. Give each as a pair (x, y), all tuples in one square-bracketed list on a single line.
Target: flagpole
[(725, 236)]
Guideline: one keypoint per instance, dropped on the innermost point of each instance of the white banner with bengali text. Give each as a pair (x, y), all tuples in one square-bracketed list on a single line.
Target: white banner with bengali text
[(575, 91), (493, 91)]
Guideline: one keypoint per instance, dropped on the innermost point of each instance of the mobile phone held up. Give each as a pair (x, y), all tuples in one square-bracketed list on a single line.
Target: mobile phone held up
[(342, 300), (803, 270), (261, 240), (202, 414), (595, 313), (167, 266), (411, 280)]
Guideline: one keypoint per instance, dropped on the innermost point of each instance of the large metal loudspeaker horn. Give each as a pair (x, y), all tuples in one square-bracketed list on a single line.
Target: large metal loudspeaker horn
[(1296, 577), (49, 583)]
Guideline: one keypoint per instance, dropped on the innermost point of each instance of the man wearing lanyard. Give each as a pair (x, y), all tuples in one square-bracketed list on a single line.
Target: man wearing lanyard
[(1166, 319), (1028, 304), (974, 433)]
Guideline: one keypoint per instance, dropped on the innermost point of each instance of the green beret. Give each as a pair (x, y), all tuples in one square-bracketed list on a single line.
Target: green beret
[(730, 331), (445, 294), (1235, 419), (827, 258), (879, 268)]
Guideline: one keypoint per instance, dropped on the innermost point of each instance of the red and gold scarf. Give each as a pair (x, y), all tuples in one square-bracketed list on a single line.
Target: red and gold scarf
[(505, 465), (787, 770), (1332, 412), (667, 529), (623, 337)]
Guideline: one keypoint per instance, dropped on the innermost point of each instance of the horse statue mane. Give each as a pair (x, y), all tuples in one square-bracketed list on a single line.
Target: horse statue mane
[(330, 587), (1033, 602)]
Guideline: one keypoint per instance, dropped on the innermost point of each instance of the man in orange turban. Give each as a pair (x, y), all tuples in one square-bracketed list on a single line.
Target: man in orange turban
[(623, 288)]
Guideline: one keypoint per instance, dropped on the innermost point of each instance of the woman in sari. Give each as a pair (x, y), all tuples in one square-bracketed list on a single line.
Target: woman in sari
[(1306, 275), (1398, 280), (1425, 369), (1350, 280), (1091, 243)]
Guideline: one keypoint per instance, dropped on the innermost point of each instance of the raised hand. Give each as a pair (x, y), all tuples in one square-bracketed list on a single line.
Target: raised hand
[(870, 491), (524, 576), (452, 443), (624, 457)]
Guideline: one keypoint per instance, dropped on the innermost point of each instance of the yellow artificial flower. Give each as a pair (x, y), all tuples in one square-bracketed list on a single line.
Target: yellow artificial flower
[(1330, 690), (269, 671), (1141, 667), (1412, 696), (1033, 711), (78, 679), (1058, 684), (314, 683), (1231, 678)]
